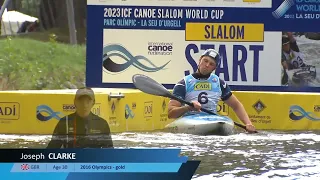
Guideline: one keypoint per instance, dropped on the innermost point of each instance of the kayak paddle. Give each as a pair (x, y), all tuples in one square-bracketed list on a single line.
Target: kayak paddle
[(150, 86)]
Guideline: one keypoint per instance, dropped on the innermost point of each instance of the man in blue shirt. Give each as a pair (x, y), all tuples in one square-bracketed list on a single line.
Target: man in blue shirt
[(205, 89)]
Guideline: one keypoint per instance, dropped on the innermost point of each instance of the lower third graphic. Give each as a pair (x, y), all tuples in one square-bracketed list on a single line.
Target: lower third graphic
[(297, 113), (45, 113), (128, 112)]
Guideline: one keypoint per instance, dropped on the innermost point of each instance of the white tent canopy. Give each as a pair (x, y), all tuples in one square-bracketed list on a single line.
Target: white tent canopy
[(12, 20)]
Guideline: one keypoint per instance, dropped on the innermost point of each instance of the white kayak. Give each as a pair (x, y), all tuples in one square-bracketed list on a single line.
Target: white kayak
[(202, 124), (306, 76)]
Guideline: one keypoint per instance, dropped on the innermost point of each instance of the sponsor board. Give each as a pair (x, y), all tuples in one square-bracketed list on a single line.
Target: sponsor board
[(148, 110), (259, 116), (245, 67), (113, 119), (9, 110), (296, 113), (128, 112), (96, 109), (268, 111), (45, 112), (222, 108), (164, 111), (169, 39)]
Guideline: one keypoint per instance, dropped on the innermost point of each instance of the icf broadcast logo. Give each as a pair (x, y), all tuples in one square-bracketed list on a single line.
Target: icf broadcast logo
[(283, 8)]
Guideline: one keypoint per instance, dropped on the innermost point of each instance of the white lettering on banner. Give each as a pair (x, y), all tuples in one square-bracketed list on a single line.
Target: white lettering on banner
[(153, 13), (117, 12), (158, 13), (170, 13), (120, 22), (156, 17), (305, 9), (240, 57), (145, 13), (308, 7), (204, 14)]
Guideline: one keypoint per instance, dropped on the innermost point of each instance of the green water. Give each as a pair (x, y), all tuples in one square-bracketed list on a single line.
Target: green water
[(266, 155)]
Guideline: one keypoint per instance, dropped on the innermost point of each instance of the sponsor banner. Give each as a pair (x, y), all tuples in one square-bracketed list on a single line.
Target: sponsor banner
[(243, 63), (277, 111), (155, 39), (145, 113), (231, 32), (9, 110), (41, 112)]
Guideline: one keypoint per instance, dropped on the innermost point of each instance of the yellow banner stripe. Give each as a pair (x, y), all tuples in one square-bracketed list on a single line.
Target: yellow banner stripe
[(231, 32)]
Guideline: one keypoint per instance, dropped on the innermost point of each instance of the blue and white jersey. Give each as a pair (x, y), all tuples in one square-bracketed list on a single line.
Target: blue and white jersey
[(295, 59), (207, 92)]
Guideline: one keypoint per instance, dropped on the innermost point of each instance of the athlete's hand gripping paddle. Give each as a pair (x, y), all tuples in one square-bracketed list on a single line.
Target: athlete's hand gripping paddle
[(150, 86)]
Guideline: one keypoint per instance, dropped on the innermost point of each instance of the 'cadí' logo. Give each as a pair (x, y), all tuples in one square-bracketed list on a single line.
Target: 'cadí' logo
[(136, 61), (297, 113), (128, 112), (44, 109), (283, 8)]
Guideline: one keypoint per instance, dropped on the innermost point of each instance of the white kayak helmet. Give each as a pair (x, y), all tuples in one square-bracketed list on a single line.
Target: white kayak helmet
[(213, 54)]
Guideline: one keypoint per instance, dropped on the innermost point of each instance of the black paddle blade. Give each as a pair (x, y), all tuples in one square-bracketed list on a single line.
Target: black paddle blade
[(149, 86)]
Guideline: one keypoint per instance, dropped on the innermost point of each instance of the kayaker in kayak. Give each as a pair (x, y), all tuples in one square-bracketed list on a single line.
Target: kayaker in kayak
[(204, 89), (291, 55)]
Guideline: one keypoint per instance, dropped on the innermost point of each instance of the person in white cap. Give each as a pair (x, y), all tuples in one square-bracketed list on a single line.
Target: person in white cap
[(204, 89)]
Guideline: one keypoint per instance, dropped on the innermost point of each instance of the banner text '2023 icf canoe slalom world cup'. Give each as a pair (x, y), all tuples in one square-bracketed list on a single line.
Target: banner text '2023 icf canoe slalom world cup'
[(265, 45)]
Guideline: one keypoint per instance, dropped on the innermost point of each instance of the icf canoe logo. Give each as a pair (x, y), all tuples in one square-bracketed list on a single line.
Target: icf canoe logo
[(297, 113), (128, 112), (139, 61), (45, 113), (305, 9)]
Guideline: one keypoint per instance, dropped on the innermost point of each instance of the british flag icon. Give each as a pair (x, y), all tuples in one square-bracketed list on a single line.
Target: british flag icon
[(24, 167)]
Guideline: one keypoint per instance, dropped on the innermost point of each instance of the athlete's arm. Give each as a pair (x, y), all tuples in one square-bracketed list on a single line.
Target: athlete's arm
[(293, 42), (284, 65), (232, 101), (175, 108), (238, 108)]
